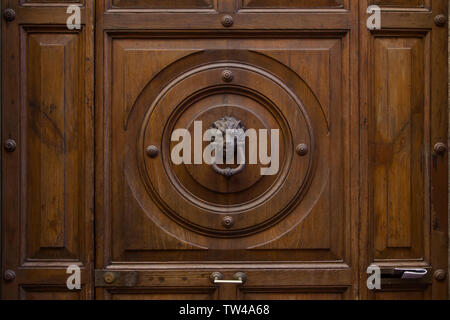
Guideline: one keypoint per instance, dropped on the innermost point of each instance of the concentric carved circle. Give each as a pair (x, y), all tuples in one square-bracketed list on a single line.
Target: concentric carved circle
[(243, 195), (205, 110), (202, 202)]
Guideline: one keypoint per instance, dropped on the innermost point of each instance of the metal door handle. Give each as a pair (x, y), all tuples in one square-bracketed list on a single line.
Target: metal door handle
[(404, 273), (238, 278), (412, 273)]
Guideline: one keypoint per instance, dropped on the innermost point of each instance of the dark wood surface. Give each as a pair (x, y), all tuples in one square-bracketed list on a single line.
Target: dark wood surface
[(370, 105)]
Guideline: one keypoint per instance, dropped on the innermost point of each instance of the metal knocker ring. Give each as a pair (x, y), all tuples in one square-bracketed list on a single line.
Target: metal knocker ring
[(235, 126), (229, 172)]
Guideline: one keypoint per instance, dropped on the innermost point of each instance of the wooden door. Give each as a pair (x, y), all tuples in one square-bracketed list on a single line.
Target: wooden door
[(175, 225), (47, 150), (403, 146), (358, 114)]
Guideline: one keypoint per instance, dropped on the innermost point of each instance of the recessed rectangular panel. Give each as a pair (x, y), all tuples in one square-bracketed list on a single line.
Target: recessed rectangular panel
[(51, 4), (292, 294), (400, 3), (53, 1), (398, 149), (291, 4), (137, 235), (162, 4), (38, 292), (53, 141), (414, 293), (163, 294)]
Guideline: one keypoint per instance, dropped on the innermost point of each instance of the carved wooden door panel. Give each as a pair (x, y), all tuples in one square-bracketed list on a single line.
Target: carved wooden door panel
[(357, 114), (404, 148), (165, 228), (47, 150)]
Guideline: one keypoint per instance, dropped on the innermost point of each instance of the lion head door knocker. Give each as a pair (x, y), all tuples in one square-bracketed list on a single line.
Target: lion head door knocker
[(229, 141)]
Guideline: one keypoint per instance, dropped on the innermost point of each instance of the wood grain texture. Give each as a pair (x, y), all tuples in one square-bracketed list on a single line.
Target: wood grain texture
[(448, 141), (136, 69), (370, 105), (419, 167), (162, 4), (297, 4), (49, 176), (189, 209), (398, 141), (51, 145), (401, 3)]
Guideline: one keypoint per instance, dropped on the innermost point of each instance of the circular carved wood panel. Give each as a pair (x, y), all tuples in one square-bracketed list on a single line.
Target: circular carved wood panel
[(195, 196)]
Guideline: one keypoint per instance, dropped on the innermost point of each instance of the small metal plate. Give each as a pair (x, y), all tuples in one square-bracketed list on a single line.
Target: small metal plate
[(121, 278)]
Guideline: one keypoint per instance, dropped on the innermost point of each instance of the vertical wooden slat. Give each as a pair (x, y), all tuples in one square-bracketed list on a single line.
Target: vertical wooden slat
[(399, 189), (52, 169), (439, 131), (48, 112)]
